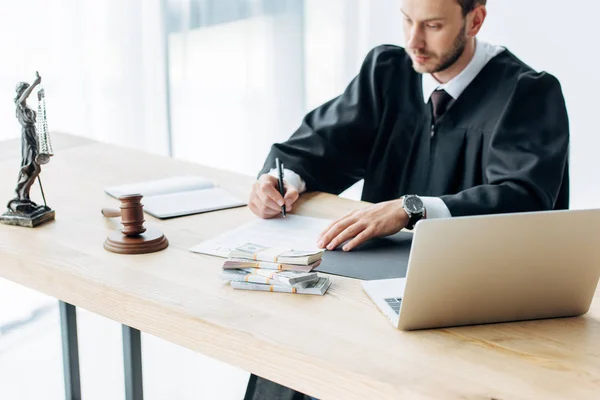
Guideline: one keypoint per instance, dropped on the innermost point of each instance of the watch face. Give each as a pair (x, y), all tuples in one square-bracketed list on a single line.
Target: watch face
[(413, 204)]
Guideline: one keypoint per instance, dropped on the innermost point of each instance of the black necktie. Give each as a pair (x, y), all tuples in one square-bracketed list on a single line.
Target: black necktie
[(440, 99)]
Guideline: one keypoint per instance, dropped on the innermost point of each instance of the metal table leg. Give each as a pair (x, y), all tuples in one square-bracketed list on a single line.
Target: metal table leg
[(132, 361), (68, 325)]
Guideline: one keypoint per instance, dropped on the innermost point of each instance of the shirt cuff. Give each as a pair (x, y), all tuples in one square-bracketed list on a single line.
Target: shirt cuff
[(435, 208), (293, 179)]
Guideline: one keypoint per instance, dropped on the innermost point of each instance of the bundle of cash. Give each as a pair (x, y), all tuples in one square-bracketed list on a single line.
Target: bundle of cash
[(274, 269), (318, 287), (279, 255), (237, 263), (253, 275)]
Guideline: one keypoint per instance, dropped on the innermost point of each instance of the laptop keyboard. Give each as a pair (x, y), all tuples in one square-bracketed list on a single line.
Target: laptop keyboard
[(395, 303)]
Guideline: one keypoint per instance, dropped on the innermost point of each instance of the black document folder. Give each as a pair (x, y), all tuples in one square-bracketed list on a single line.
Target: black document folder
[(380, 258)]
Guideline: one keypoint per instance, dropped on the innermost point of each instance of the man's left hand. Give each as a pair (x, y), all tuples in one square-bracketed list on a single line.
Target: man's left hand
[(380, 219)]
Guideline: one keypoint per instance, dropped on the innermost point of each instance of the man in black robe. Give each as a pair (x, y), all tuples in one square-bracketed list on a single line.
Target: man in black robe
[(461, 126)]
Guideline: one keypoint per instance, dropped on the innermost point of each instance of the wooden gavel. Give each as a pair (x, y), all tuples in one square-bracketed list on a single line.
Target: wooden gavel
[(131, 213), (133, 238)]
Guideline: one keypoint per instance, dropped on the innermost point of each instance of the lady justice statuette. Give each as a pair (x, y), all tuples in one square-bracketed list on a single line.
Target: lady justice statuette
[(36, 150)]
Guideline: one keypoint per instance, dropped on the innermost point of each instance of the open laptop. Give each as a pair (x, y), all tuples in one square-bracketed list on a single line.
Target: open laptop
[(495, 268)]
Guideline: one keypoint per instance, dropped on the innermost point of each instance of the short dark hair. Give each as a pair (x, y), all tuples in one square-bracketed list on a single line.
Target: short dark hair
[(469, 5)]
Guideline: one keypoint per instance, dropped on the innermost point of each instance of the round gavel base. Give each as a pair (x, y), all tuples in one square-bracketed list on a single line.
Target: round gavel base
[(148, 242)]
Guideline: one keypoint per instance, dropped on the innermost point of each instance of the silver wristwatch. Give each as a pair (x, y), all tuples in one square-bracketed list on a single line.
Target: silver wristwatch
[(414, 207)]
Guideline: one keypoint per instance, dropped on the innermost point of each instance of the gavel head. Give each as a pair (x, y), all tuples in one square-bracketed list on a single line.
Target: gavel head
[(132, 215)]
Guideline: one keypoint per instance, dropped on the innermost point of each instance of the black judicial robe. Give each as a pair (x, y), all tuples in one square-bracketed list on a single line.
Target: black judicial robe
[(501, 147)]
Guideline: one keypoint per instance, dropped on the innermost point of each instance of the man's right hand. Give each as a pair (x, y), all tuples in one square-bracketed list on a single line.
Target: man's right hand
[(265, 199)]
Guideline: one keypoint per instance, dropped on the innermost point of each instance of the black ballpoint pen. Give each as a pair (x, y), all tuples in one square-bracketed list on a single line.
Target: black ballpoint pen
[(279, 166)]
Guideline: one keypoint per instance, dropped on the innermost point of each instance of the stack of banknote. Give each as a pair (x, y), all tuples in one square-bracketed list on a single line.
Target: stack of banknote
[(254, 267)]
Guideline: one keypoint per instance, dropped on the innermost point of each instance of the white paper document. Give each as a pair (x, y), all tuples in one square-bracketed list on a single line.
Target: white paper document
[(293, 231)]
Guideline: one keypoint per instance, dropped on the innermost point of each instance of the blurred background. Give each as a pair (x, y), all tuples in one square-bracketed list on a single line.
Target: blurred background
[(217, 82)]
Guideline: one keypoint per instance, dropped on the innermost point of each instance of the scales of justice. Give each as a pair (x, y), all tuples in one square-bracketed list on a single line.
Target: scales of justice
[(36, 151)]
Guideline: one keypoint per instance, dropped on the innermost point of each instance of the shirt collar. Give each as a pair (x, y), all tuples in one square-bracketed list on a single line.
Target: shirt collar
[(484, 52)]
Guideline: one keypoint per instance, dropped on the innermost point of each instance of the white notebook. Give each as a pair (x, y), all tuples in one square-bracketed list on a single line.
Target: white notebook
[(178, 196)]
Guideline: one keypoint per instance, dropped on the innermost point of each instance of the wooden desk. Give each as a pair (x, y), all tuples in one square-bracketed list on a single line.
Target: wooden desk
[(337, 346)]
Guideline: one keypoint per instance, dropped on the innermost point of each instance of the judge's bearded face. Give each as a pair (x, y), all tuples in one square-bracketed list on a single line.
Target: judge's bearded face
[(435, 33)]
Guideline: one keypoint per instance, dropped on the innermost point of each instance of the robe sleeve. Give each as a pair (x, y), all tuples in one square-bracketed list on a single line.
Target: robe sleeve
[(527, 155), (331, 148)]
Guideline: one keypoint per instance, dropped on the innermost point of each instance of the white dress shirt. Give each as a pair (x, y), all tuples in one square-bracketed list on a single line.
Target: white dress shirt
[(484, 52)]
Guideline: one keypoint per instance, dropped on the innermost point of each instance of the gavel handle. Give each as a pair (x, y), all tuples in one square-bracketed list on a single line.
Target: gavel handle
[(111, 212)]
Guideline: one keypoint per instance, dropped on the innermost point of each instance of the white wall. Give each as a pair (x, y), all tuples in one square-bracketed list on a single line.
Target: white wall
[(560, 38), (236, 88), (102, 67)]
